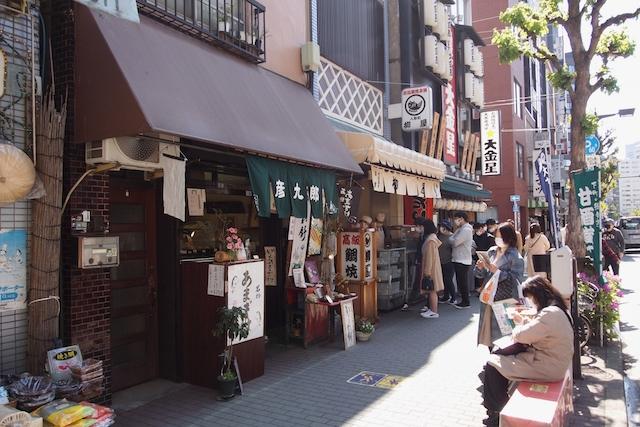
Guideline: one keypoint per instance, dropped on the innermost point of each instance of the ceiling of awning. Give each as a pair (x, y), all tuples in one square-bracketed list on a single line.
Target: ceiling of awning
[(465, 189), (147, 78), (368, 148)]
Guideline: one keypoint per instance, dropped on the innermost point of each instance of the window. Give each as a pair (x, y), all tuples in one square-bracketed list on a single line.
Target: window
[(527, 83), (517, 99), (520, 160)]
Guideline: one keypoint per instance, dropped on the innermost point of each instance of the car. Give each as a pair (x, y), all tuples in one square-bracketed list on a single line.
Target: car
[(630, 227)]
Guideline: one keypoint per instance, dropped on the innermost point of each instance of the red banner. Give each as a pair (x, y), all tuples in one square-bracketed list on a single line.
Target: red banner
[(415, 207), (450, 108)]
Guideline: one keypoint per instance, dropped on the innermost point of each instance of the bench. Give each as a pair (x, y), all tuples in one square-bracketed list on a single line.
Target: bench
[(539, 404)]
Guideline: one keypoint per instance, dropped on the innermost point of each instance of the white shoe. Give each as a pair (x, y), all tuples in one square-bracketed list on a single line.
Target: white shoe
[(425, 309), (429, 315), (405, 307)]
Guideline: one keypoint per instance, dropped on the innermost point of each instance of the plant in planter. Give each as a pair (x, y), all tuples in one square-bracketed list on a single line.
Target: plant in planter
[(233, 324), (364, 329)]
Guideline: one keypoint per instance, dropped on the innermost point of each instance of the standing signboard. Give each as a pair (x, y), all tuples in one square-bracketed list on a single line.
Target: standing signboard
[(356, 255), (587, 188), (417, 108), (246, 289), (490, 142)]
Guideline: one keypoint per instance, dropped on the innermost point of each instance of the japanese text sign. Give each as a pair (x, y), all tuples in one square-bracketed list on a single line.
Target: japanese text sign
[(246, 289), (450, 155), (490, 142), (356, 255), (587, 188), (417, 108)]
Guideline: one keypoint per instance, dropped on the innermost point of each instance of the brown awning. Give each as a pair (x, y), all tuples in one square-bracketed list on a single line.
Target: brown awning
[(148, 78)]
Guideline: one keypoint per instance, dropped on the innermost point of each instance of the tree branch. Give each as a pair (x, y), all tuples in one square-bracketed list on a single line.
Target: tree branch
[(598, 30), (597, 85)]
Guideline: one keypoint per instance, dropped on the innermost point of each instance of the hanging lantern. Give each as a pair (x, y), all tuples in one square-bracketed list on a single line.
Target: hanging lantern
[(17, 174)]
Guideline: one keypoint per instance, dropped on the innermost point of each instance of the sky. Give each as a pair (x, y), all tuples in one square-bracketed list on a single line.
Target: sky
[(627, 70)]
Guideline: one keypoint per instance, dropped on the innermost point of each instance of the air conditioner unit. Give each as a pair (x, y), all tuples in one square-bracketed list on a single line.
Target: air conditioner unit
[(310, 56), (468, 52), (442, 59), (430, 51), (130, 152), (469, 86), (429, 11)]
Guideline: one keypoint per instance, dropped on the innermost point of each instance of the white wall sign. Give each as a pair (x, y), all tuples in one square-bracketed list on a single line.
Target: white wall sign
[(348, 324), (246, 289), (215, 285), (125, 9), (417, 108), (490, 142)]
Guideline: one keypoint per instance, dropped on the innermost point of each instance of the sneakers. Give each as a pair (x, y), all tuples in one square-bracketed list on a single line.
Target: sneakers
[(452, 301), (405, 307), (443, 300), (461, 306), (425, 309), (429, 314)]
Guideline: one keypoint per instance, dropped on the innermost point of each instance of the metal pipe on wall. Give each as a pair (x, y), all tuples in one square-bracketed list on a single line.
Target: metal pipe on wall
[(387, 78)]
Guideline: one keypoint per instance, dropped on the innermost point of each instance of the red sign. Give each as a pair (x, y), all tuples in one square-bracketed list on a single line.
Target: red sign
[(415, 207), (449, 110)]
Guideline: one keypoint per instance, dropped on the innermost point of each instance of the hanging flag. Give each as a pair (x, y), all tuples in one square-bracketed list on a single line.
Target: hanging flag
[(542, 171), (587, 188)]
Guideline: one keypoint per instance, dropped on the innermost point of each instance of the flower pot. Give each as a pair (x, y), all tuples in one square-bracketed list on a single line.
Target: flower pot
[(363, 336), (227, 387)]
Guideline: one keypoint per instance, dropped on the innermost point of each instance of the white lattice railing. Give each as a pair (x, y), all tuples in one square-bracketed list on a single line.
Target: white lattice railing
[(349, 98)]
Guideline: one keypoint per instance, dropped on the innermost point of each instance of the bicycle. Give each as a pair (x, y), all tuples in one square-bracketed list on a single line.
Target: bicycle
[(587, 296)]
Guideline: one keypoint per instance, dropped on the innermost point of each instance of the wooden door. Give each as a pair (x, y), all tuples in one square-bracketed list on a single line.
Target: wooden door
[(134, 334)]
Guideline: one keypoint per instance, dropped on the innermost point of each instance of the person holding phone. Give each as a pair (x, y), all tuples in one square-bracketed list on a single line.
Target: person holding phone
[(431, 279)]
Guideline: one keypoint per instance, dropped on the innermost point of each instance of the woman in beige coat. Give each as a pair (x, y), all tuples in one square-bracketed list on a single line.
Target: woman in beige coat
[(536, 243), (431, 268), (549, 340)]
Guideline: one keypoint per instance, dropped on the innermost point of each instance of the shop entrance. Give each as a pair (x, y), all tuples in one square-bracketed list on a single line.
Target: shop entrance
[(134, 335)]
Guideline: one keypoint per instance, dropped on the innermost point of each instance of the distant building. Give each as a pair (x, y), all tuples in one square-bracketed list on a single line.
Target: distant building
[(630, 180)]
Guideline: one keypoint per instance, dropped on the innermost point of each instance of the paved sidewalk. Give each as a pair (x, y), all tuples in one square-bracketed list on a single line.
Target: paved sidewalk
[(438, 357)]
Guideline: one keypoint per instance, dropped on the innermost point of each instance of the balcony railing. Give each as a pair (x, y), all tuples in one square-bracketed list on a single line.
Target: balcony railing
[(236, 25)]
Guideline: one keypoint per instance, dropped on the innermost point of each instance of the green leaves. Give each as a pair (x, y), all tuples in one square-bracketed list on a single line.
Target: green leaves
[(562, 78), (510, 47), (589, 124), (615, 44), (525, 18)]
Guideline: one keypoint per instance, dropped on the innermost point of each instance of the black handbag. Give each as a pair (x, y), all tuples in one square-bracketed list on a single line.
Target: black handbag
[(427, 284), (506, 289)]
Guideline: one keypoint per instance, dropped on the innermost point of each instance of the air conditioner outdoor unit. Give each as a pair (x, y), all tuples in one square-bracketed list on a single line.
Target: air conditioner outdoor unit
[(468, 52), (442, 59), (469, 86), (430, 51), (429, 10), (130, 152)]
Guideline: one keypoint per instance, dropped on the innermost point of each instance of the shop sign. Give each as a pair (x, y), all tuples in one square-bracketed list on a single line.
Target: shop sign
[(300, 237), (587, 188), (368, 255), (349, 196), (246, 289), (215, 284), (450, 124), (351, 256), (490, 142), (537, 188), (270, 266), (348, 324), (417, 108), (394, 182), (125, 9), (13, 270)]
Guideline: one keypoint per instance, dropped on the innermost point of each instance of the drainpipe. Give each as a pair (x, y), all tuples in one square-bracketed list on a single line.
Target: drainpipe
[(313, 20), (405, 55), (387, 77)]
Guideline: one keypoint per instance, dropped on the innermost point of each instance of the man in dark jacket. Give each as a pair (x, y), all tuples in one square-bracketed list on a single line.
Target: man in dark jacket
[(482, 241), (445, 230), (614, 240)]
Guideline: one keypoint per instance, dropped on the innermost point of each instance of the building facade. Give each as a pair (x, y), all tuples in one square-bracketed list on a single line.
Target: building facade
[(629, 180)]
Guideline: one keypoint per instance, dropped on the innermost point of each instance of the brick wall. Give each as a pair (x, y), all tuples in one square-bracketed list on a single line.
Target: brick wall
[(86, 293)]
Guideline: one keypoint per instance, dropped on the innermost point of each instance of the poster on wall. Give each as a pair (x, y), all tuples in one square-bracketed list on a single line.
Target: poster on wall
[(490, 142), (246, 289), (270, 266), (215, 285), (299, 230), (13, 270), (315, 237)]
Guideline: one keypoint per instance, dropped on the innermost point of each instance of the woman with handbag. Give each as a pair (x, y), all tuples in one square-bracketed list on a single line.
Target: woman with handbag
[(547, 352), (536, 243), (504, 260), (432, 281)]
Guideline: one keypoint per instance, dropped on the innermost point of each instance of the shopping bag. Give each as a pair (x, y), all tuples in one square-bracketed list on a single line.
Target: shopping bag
[(488, 292)]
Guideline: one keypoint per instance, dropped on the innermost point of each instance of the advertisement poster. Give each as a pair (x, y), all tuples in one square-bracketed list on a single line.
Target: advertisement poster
[(246, 289), (490, 142), (13, 270)]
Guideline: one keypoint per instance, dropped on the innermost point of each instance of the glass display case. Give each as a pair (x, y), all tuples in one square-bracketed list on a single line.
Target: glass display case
[(392, 278)]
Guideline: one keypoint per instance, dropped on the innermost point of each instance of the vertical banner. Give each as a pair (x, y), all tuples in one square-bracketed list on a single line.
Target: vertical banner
[(449, 108), (490, 142), (350, 255), (537, 186), (13, 270), (541, 165), (587, 188)]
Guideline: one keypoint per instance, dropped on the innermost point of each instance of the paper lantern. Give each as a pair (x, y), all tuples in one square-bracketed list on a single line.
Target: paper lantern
[(468, 205), (449, 204), (17, 174), (483, 207)]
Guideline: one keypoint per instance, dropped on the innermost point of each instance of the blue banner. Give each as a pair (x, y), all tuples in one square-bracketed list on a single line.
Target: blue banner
[(542, 169)]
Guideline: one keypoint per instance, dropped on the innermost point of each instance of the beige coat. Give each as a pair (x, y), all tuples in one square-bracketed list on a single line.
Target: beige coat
[(550, 336), (431, 261), (538, 245)]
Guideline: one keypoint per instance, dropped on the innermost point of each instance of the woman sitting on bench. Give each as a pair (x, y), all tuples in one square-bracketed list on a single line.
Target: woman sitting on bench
[(549, 348)]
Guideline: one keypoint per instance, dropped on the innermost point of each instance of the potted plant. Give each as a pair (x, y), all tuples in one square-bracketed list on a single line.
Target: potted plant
[(364, 329), (233, 324)]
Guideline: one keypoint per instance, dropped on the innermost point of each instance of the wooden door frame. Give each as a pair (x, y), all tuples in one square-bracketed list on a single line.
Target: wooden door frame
[(148, 199)]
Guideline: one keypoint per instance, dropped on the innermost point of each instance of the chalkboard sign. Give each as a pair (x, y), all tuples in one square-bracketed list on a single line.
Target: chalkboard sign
[(348, 324), (246, 289)]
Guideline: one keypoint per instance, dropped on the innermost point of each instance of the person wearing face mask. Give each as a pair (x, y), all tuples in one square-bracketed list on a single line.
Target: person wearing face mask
[(483, 241), (492, 226), (445, 230), (461, 241), (614, 239), (548, 340), (536, 243), (506, 258)]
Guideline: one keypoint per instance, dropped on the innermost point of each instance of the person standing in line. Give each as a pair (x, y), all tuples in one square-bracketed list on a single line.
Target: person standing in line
[(536, 243), (431, 277), (461, 242), (614, 239), (520, 244), (492, 226), (445, 249), (483, 241), (506, 258)]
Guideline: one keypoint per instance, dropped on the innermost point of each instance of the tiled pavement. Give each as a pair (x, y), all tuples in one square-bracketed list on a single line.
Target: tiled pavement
[(438, 357)]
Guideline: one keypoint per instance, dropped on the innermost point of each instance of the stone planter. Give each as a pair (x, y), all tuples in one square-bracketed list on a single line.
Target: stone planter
[(363, 336)]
